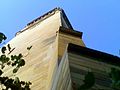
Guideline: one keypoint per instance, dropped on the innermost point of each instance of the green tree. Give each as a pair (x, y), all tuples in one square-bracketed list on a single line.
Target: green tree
[(89, 81), (16, 61), (115, 77)]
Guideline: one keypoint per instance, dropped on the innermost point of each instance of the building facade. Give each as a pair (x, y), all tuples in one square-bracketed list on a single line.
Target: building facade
[(59, 59)]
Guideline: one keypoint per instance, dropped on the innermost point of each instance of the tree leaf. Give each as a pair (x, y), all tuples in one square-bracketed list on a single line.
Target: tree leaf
[(89, 81), (21, 62), (9, 63), (20, 56), (2, 58), (14, 63), (2, 37), (2, 66), (1, 72), (22, 82), (17, 80), (3, 50), (28, 48), (9, 48), (115, 76), (7, 59), (15, 70), (12, 57)]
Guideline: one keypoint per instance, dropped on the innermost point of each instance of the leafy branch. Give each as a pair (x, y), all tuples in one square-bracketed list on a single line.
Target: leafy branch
[(15, 61)]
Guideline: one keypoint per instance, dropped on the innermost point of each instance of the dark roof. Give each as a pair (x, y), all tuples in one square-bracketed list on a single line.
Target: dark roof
[(96, 55), (50, 12), (70, 32)]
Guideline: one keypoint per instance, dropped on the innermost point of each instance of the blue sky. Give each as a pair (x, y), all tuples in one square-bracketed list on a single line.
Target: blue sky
[(99, 20)]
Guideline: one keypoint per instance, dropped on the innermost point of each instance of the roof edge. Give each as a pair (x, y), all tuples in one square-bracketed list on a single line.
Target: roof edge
[(96, 55), (71, 32), (44, 16), (66, 19), (48, 13), (51, 11)]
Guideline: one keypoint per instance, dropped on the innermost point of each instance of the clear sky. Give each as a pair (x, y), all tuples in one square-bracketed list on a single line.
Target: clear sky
[(99, 20)]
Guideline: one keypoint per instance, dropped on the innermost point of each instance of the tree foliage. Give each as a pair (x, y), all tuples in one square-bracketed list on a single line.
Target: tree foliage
[(14, 61), (89, 81), (115, 77)]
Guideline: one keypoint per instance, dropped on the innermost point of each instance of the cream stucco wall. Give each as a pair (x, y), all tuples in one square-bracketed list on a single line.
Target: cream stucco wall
[(65, 39), (62, 79), (41, 61)]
